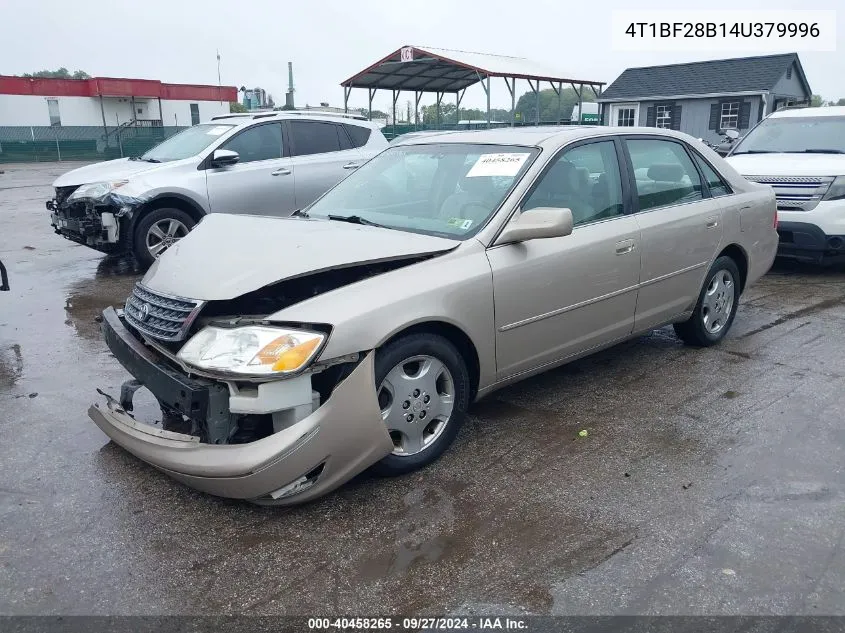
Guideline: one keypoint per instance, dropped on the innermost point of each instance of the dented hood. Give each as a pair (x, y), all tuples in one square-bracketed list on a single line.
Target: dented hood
[(226, 256)]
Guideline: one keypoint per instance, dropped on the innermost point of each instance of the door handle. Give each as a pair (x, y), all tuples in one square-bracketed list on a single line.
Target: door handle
[(352, 165), (712, 222), (282, 171), (625, 246)]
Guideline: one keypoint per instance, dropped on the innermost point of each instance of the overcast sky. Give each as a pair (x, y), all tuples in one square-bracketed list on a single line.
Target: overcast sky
[(329, 40)]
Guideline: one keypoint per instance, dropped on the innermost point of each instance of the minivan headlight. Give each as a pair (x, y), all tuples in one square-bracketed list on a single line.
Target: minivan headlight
[(96, 190), (836, 190), (253, 350)]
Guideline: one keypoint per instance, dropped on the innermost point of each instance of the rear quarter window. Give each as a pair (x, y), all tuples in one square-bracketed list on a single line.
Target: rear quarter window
[(359, 135)]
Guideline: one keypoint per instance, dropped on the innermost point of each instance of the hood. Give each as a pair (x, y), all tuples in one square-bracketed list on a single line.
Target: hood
[(788, 164), (226, 256), (119, 169)]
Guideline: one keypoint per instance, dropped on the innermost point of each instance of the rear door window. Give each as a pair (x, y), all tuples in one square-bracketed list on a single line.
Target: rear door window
[(313, 137), (665, 174)]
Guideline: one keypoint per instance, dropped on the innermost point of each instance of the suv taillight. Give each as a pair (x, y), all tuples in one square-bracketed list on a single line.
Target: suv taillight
[(776, 218)]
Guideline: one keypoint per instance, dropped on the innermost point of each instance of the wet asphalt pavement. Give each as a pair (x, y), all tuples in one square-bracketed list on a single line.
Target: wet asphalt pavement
[(710, 481)]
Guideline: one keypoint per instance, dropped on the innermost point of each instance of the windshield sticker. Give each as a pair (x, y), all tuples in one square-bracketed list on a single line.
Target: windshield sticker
[(459, 223), (503, 164), (218, 130)]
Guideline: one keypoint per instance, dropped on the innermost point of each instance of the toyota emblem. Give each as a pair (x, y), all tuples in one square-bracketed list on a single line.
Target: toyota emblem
[(145, 311)]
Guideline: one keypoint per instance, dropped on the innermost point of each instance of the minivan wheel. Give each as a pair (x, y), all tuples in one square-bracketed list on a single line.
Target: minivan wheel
[(716, 308), (423, 393), (157, 231)]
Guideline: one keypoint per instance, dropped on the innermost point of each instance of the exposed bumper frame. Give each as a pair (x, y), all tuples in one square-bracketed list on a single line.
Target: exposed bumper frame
[(346, 434)]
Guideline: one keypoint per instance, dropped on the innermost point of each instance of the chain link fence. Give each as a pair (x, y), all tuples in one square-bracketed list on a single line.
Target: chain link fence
[(31, 144)]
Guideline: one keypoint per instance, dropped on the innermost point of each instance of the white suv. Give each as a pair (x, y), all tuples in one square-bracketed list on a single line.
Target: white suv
[(801, 154), (269, 163)]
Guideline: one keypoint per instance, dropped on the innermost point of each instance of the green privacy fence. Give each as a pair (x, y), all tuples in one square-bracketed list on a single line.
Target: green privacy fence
[(29, 144)]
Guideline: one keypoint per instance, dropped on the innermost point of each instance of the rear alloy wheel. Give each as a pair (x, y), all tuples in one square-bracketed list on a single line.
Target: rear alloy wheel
[(423, 393), (157, 231), (716, 308)]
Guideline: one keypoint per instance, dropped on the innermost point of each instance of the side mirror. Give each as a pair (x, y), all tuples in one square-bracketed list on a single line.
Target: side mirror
[(732, 134), (536, 224), (224, 157)]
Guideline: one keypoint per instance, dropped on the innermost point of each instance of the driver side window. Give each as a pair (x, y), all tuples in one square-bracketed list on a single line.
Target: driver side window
[(584, 179)]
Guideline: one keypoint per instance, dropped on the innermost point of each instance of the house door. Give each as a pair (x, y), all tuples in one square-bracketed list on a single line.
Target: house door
[(625, 114)]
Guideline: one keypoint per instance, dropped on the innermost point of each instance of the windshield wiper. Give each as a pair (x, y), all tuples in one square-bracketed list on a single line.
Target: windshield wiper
[(818, 151), (150, 160), (756, 151), (354, 219), (299, 213)]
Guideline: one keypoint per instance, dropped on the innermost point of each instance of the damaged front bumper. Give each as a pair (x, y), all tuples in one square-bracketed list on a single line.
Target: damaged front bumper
[(97, 223), (312, 456)]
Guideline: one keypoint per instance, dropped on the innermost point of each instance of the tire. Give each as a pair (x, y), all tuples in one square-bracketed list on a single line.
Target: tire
[(716, 307), (404, 389), (145, 238)]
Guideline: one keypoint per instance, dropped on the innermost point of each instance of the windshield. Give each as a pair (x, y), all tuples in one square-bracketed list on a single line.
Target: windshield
[(442, 189), (822, 134), (186, 143)]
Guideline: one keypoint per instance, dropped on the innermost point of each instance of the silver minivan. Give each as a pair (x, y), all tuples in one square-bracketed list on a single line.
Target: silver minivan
[(268, 163)]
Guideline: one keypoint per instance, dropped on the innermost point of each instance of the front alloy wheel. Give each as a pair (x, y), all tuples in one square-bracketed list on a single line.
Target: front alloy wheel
[(423, 391), (164, 234), (158, 230), (416, 399)]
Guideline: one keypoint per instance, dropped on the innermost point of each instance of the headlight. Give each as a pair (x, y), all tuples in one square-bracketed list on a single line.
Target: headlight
[(96, 189), (253, 350), (837, 189)]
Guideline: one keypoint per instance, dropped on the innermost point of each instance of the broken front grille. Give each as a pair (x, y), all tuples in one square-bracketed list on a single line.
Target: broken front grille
[(159, 316)]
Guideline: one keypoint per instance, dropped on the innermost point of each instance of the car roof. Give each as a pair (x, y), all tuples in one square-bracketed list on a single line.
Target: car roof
[(536, 135), (807, 111)]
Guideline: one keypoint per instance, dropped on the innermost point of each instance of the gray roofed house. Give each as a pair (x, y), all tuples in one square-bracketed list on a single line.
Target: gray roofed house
[(702, 98)]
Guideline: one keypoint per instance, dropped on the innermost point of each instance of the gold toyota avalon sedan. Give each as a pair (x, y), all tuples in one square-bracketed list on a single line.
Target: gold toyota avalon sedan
[(289, 354)]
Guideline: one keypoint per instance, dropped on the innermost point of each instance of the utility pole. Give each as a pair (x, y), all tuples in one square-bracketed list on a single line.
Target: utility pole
[(219, 83)]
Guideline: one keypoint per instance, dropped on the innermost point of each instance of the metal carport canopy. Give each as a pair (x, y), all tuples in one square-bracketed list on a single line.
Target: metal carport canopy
[(421, 69)]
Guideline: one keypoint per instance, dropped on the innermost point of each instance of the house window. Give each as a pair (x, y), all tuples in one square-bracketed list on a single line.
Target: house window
[(729, 119), (663, 116), (789, 73), (53, 111), (625, 117), (195, 113)]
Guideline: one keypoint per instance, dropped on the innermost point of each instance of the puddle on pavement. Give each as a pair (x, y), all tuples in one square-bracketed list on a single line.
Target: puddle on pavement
[(87, 298)]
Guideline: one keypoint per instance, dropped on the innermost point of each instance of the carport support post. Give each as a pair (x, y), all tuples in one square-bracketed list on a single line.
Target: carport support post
[(459, 95), (346, 91), (395, 98), (558, 89), (417, 97), (134, 109), (160, 113), (536, 91), (439, 99), (371, 92), (512, 90), (487, 90), (579, 90)]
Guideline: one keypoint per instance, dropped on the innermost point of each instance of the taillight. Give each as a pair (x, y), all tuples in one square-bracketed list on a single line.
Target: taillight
[(776, 217)]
